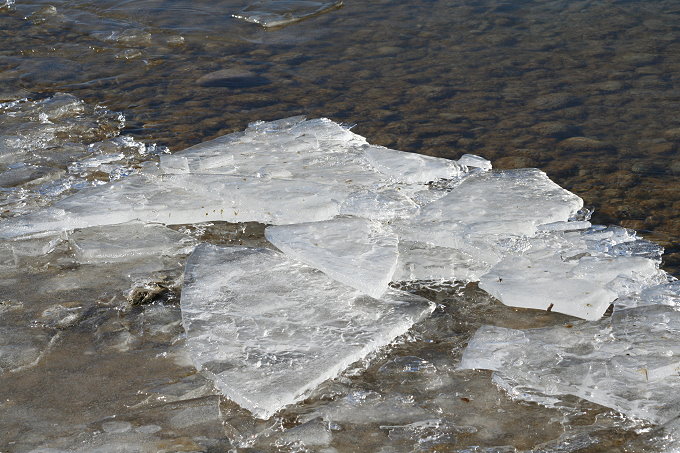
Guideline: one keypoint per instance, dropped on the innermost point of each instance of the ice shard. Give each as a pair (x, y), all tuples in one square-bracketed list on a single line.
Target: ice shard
[(357, 252), (628, 362), (489, 206), (268, 329), (278, 13), (410, 167), (422, 261)]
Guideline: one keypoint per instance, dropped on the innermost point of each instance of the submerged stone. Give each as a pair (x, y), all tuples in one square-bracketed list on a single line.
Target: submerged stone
[(269, 329)]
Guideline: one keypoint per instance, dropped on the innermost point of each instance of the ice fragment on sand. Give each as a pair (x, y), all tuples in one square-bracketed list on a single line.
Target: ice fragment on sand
[(269, 329), (357, 252), (628, 362), (122, 242), (276, 13)]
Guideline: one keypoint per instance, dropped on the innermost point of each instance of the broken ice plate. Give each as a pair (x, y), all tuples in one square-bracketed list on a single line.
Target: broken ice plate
[(268, 329), (357, 252), (628, 362)]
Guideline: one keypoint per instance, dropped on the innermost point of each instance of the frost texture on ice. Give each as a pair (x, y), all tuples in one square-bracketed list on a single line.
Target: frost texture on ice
[(667, 293), (628, 362), (277, 13), (317, 169), (357, 252), (269, 329)]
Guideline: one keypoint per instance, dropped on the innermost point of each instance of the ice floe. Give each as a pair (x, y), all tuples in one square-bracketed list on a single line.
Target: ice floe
[(317, 169), (113, 243), (269, 329), (349, 218), (628, 362)]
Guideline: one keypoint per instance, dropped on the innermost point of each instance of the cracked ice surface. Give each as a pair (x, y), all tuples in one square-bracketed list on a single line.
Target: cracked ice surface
[(353, 251), (628, 362), (317, 169), (269, 329)]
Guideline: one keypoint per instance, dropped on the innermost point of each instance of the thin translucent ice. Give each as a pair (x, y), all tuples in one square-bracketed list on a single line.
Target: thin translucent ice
[(629, 362), (357, 252), (277, 13), (269, 329)]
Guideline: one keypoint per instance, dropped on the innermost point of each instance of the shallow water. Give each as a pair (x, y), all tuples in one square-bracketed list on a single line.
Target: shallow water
[(516, 82)]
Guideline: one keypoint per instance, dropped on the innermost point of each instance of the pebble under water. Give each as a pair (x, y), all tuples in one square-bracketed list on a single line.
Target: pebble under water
[(93, 354)]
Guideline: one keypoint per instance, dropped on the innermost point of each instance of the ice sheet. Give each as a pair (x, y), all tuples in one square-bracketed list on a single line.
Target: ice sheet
[(628, 362), (280, 172), (409, 167), (269, 329), (277, 13), (357, 252), (422, 261)]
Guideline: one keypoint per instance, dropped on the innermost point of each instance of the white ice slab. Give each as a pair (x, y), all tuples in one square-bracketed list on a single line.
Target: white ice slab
[(492, 205), (269, 329), (179, 199), (546, 284), (409, 167), (280, 172), (629, 362), (114, 243), (357, 252), (568, 273)]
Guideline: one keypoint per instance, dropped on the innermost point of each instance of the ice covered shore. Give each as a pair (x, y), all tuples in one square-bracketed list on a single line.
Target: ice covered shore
[(349, 218)]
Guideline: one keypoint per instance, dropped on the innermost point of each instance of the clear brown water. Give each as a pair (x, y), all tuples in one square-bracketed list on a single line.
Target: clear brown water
[(516, 82)]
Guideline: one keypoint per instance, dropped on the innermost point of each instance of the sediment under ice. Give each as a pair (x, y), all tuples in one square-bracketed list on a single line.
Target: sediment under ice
[(628, 362), (269, 329)]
